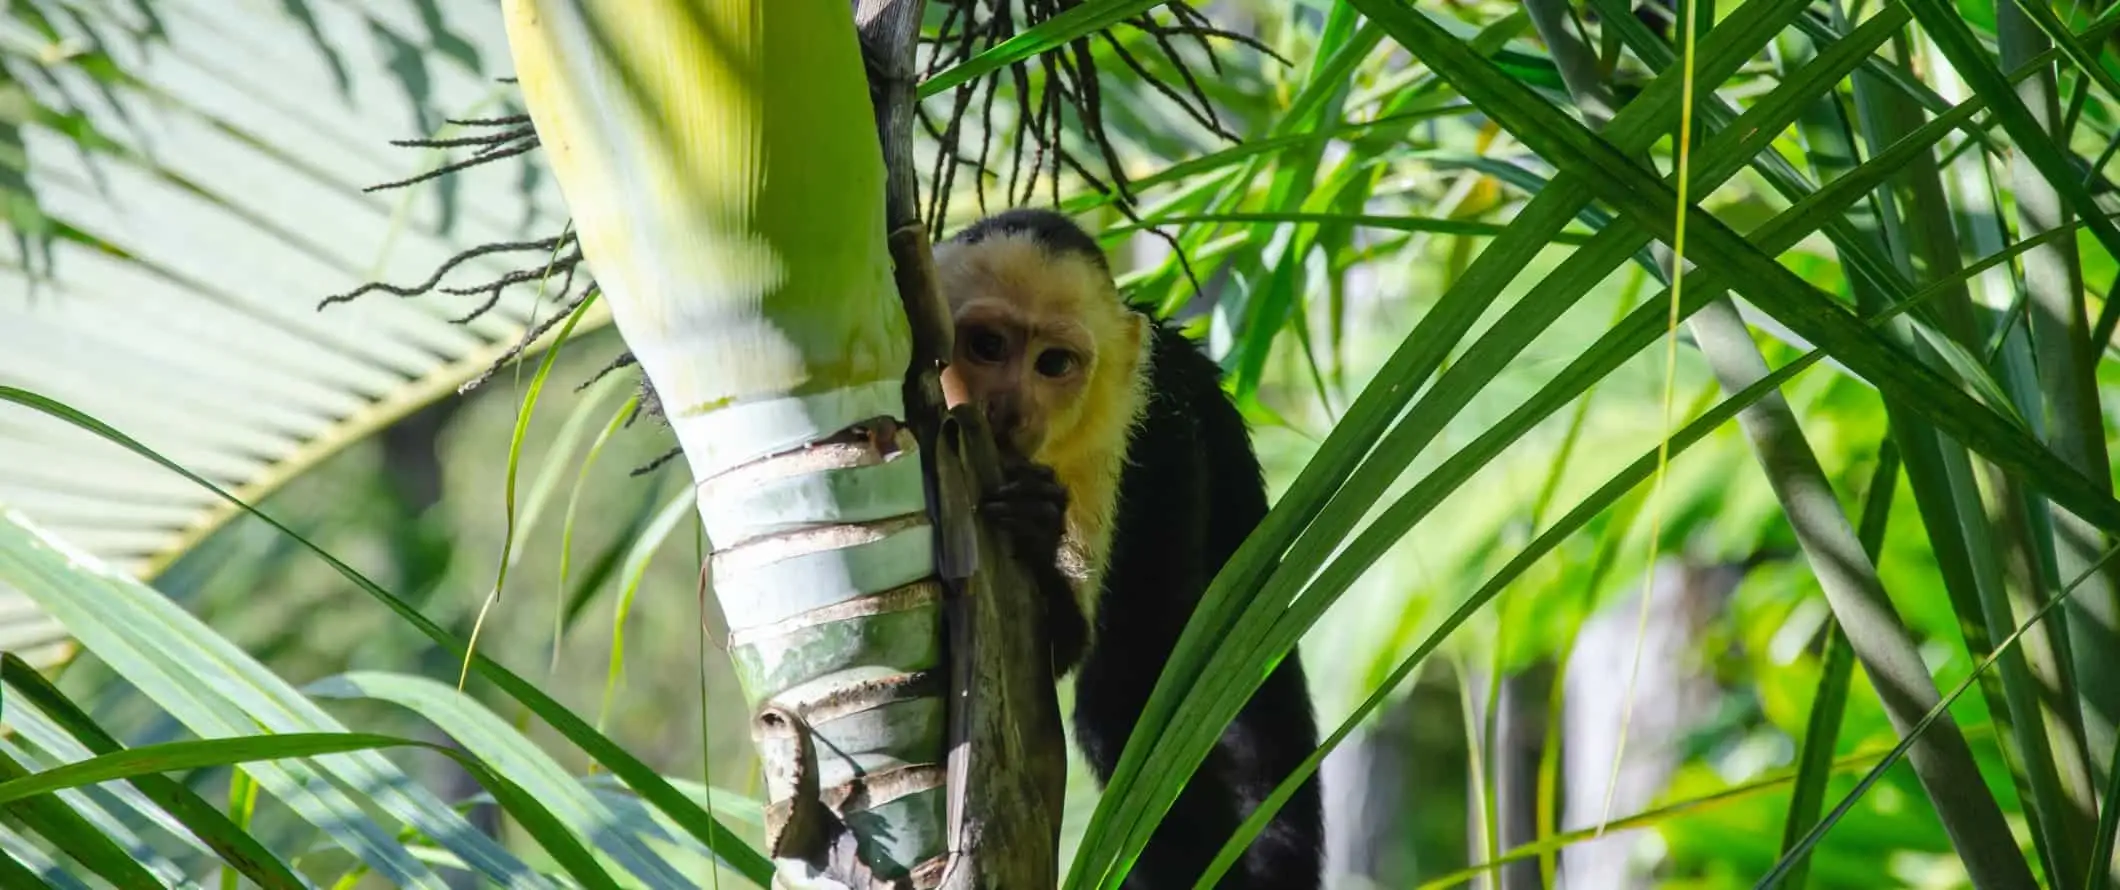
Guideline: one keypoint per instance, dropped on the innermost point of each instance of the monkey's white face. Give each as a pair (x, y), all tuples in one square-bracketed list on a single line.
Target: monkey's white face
[(1043, 344), (1027, 373)]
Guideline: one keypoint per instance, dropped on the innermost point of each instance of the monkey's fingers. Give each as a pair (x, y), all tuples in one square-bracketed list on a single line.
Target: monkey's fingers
[(1040, 486), (1016, 468), (1032, 497), (1031, 470), (1035, 528), (1023, 515), (1028, 497)]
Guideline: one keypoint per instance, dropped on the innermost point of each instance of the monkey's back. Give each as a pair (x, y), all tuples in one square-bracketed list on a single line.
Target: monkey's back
[(1191, 491)]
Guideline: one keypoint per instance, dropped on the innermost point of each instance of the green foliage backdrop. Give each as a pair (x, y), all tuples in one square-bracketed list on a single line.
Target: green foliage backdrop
[(1433, 244)]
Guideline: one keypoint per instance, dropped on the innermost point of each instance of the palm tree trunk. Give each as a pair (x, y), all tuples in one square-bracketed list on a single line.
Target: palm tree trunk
[(1008, 753), (728, 186)]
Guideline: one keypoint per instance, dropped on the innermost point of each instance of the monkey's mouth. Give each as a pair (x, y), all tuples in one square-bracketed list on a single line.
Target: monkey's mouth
[(1024, 442)]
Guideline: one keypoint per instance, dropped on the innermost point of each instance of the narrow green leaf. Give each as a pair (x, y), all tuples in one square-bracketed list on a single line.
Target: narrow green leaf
[(1629, 337), (1650, 202), (510, 754), (744, 808), (1935, 714), (1646, 819), (235, 846), (1506, 337), (1532, 182), (30, 862), (636, 567), (215, 688), (1074, 23), (2108, 826), (1913, 219), (170, 756), (1379, 403), (95, 815), (1947, 27), (15, 874), (64, 828), (1293, 188), (188, 755), (608, 560), (2009, 531), (561, 614), (2057, 366), (1604, 497), (1836, 672), (1850, 583), (1227, 159), (243, 811), (36, 740), (559, 454), (76, 590), (2042, 17), (637, 817), (1360, 220), (651, 786), (1797, 304), (524, 410)]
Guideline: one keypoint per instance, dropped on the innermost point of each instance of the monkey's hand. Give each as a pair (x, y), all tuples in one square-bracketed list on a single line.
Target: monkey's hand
[(1030, 507)]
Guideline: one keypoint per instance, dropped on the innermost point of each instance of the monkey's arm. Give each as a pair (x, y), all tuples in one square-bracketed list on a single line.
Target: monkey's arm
[(1030, 506)]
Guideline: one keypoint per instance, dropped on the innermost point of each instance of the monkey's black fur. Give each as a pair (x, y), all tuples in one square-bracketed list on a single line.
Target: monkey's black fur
[(1057, 234), (1191, 491)]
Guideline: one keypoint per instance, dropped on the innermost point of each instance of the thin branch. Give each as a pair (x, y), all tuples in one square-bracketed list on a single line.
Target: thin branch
[(529, 336), (483, 157), (544, 244)]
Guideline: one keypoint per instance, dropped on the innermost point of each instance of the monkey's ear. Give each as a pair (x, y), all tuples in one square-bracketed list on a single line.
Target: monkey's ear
[(1136, 331)]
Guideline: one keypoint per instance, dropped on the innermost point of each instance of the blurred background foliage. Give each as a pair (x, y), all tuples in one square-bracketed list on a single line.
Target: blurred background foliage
[(183, 181)]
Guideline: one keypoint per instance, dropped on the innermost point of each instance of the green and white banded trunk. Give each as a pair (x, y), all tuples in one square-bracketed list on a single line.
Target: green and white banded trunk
[(721, 164)]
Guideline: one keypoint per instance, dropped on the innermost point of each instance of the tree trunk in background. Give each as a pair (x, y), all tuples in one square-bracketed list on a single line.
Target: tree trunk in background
[(1396, 816), (1673, 693), (1513, 757), (421, 550), (1365, 845)]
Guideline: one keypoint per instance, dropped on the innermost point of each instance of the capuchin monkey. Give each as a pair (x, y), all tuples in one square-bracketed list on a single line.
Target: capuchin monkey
[(1131, 480)]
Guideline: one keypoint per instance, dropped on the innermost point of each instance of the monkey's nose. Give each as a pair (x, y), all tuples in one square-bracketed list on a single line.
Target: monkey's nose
[(1003, 417), (1010, 429)]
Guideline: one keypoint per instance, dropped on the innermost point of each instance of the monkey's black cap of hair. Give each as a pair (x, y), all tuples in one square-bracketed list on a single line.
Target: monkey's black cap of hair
[(1052, 231)]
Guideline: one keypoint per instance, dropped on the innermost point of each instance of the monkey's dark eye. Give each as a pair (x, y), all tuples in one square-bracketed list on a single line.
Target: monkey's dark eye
[(1056, 362), (985, 345)]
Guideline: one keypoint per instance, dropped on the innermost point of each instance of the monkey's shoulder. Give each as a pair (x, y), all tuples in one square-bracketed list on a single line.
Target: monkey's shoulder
[(1177, 364), (1192, 449), (1183, 390)]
